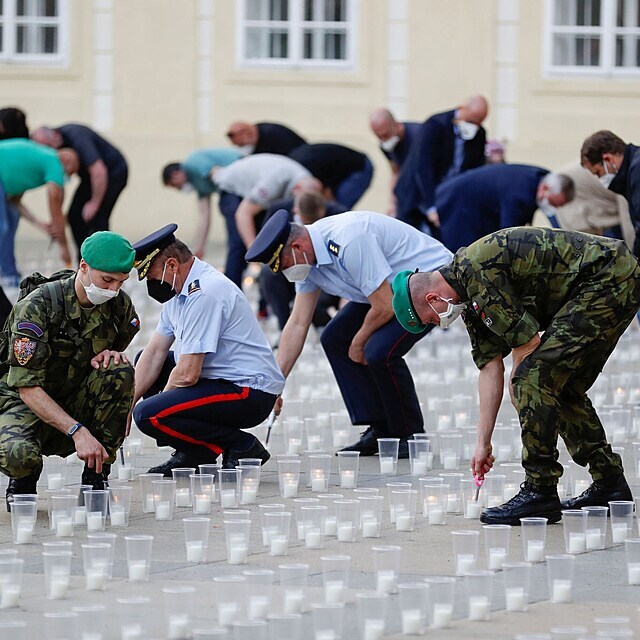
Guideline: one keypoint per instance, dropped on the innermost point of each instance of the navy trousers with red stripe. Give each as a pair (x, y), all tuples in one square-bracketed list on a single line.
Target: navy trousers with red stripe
[(381, 394), (204, 419)]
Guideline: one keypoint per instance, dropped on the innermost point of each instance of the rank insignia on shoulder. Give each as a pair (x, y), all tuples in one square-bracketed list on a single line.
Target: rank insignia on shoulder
[(23, 349), (193, 287), (135, 322), (333, 247), (29, 326)]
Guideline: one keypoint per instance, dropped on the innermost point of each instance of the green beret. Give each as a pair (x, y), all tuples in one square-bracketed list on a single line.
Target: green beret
[(108, 251), (402, 303)]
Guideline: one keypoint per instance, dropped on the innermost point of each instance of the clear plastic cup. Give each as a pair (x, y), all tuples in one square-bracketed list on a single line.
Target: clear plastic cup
[(328, 620), (97, 505), (534, 537), (61, 625), (293, 580), (388, 455), (238, 537), (57, 573), (56, 472), (335, 577), (293, 428), (596, 527), (347, 519), (372, 612), (391, 487), (319, 472), (11, 569), (132, 623), (434, 501), (178, 610), (479, 590), (96, 557), (465, 550), (164, 496), (348, 466), (196, 538), (450, 450), (371, 515), (419, 460), (404, 506), (386, 564), (230, 483), (249, 483), (229, 598), (119, 505), (259, 588), (262, 510), (574, 522), (277, 525), (202, 491), (441, 601), (560, 572), (250, 630), (299, 514), (413, 607), (632, 552), (23, 520), (621, 520), (92, 620), (454, 501), (62, 515), (496, 538), (182, 476), (138, 557), (313, 519), (289, 477), (146, 490), (285, 626), (517, 580), (100, 537)]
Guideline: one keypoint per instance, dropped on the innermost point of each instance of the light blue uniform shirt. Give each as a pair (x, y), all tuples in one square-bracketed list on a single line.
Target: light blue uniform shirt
[(358, 250), (198, 166), (211, 316)]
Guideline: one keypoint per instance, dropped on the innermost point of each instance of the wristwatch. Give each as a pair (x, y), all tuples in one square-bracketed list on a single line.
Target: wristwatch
[(74, 428)]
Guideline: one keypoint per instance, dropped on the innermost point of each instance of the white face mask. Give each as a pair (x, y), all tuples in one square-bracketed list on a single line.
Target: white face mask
[(448, 317), (246, 149), (467, 130), (187, 187), (96, 295), (390, 144), (608, 177), (298, 272)]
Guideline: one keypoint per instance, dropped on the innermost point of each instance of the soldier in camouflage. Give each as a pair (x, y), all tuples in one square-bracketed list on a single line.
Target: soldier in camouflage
[(66, 385), (558, 301)]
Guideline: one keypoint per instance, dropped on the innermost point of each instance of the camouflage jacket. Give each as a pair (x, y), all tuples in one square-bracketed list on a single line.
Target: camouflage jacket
[(50, 345), (516, 280)]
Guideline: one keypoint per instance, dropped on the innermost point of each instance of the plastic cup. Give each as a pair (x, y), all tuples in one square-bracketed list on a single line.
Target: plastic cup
[(472, 508), (330, 520), (347, 519), (181, 475), (14, 629), (632, 551), (238, 536), (299, 514), (11, 569), (450, 445), (560, 571), (249, 483), (419, 460), (370, 515), (621, 520), (202, 492), (92, 619), (96, 557), (465, 550), (230, 483), (388, 455), (138, 557), (496, 538), (434, 502), (97, 504), (263, 509), (259, 587), (178, 605), (164, 495), (404, 505), (454, 503), (441, 601), (119, 505), (574, 522), (328, 620), (607, 624), (62, 516), (289, 477), (146, 490), (313, 519), (391, 487), (493, 490), (57, 572), (596, 527), (517, 580), (335, 577), (23, 520), (372, 612), (292, 428), (348, 466), (479, 590), (132, 623), (106, 538), (314, 430), (277, 525), (61, 625), (534, 536), (340, 429), (56, 472), (319, 472), (413, 607), (196, 538), (127, 461), (293, 580), (285, 626), (386, 564), (229, 598)]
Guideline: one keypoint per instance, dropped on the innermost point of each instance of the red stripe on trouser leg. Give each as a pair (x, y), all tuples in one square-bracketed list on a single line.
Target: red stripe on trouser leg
[(222, 397)]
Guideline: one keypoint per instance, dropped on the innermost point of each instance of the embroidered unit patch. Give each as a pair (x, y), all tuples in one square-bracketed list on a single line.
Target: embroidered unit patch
[(29, 326), (135, 322), (23, 349), (193, 287)]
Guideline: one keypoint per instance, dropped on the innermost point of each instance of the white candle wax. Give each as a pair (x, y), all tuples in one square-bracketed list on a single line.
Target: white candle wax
[(314, 442), (453, 504), (118, 517), (419, 468), (577, 542), (202, 504), (429, 459), (238, 553), (442, 615), (163, 510), (386, 581), (326, 634), (289, 489), (249, 495), (633, 573), (125, 472), (370, 528), (131, 631), (10, 596), (444, 422), (345, 532), (137, 571), (474, 509), (278, 546), (58, 587), (258, 607), (227, 613), (411, 622), (340, 438), (64, 527), (479, 608), (24, 533), (497, 556), (80, 516), (594, 539), (331, 526), (149, 505), (293, 601), (535, 551), (313, 539), (294, 445), (228, 498), (348, 479), (95, 578), (95, 521), (465, 562), (387, 466), (373, 629), (404, 522), (515, 599), (619, 532), (334, 591), (435, 514), (54, 481), (318, 483), (178, 627), (450, 461), (561, 591), (195, 551), (183, 498)]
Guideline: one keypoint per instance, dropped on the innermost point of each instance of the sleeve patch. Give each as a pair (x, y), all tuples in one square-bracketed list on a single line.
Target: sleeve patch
[(333, 247), (193, 287), (135, 322), (30, 326), (23, 349)]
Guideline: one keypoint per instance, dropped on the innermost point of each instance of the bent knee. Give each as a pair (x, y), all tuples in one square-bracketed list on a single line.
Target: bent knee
[(122, 374), (19, 457)]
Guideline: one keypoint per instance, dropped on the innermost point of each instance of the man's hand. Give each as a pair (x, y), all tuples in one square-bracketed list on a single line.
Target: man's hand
[(482, 461), (277, 407), (56, 231), (356, 353), (89, 450), (104, 357), (434, 219), (89, 211)]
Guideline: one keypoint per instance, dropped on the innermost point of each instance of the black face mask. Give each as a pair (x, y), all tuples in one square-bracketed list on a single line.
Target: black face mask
[(160, 290)]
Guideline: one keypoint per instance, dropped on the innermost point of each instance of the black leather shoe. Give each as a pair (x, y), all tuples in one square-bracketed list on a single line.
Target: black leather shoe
[(20, 486), (231, 457), (599, 494), (367, 445), (180, 459), (97, 480), (403, 449), (531, 501)]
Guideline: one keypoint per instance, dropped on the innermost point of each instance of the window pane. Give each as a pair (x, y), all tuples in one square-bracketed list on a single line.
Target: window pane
[(335, 10), (579, 13), (50, 8), (266, 43), (49, 40), (628, 13), (579, 51), (320, 44), (23, 39), (335, 46), (267, 9), (628, 51)]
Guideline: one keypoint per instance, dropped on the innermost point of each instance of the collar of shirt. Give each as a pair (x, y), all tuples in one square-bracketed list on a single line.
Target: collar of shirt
[(86, 321), (456, 116), (196, 269), (322, 253)]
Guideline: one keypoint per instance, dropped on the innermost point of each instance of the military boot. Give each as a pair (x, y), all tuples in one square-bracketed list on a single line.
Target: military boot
[(20, 486), (97, 480), (531, 501)]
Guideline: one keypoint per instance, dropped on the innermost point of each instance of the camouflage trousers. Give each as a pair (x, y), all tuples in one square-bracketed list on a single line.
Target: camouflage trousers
[(101, 403), (550, 386)]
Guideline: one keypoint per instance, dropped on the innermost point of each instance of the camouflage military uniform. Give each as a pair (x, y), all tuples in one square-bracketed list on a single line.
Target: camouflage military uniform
[(50, 345), (582, 291)]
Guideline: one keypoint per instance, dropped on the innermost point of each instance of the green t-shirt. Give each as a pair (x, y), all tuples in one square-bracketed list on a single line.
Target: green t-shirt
[(27, 165), (198, 165)]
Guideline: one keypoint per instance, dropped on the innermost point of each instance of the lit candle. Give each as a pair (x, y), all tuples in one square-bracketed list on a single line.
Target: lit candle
[(195, 551), (340, 438), (238, 553), (290, 488), (411, 622), (95, 521), (348, 479), (249, 494), (149, 504), (318, 481), (387, 466), (183, 499), (479, 608), (202, 504), (228, 498), (435, 514), (561, 591), (444, 422), (294, 445)]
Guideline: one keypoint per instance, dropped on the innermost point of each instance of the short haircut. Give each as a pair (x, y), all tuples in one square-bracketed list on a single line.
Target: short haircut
[(168, 171), (297, 231), (600, 143), (311, 206), (177, 250), (560, 183)]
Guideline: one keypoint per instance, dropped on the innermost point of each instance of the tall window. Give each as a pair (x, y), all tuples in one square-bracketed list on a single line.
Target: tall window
[(33, 31), (594, 36), (298, 33)]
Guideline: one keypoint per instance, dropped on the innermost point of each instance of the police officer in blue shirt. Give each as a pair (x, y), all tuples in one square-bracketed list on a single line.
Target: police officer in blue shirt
[(354, 255), (220, 377)]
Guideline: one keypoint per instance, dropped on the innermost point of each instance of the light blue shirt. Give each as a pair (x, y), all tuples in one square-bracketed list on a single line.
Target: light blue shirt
[(211, 316), (358, 250), (198, 166)]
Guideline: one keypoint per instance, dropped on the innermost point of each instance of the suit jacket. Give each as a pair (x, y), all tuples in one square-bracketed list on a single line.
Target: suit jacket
[(428, 163), (485, 200), (627, 184)]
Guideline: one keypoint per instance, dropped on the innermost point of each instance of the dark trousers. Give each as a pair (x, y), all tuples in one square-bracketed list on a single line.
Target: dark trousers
[(236, 264), (82, 230), (202, 420), (352, 188), (383, 390)]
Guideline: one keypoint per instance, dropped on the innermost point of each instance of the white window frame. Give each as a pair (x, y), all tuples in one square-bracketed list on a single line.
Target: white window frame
[(607, 31), (10, 22), (296, 44)]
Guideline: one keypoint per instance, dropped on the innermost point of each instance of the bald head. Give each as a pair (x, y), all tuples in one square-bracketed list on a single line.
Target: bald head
[(241, 133), (384, 125), (474, 110), (47, 136)]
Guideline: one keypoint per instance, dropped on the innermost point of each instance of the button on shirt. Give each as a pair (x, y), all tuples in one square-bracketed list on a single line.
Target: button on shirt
[(358, 250), (261, 178), (210, 315)]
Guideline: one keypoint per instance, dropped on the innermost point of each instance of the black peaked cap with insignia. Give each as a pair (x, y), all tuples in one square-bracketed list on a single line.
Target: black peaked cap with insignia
[(270, 241), (150, 246)]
